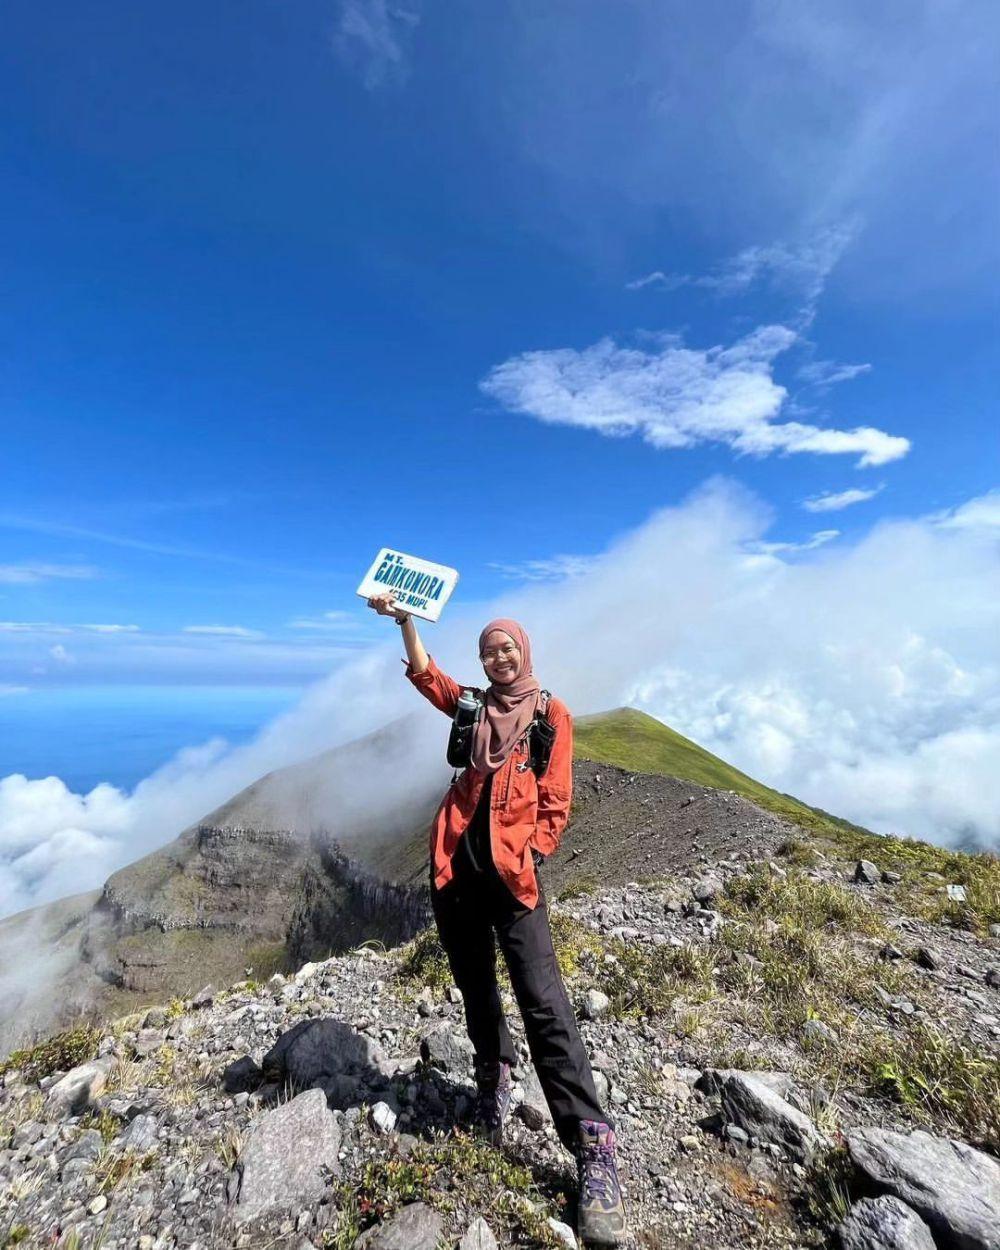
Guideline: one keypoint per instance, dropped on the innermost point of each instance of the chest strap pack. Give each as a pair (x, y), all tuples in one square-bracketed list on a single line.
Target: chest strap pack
[(469, 711)]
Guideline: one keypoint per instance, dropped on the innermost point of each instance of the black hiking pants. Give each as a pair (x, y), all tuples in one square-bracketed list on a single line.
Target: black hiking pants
[(474, 911)]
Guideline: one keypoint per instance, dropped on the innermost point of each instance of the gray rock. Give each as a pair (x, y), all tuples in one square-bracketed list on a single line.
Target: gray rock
[(563, 1232), (993, 977), (995, 929), (82, 1155), (342, 1092), (478, 1236), (956, 893), (866, 872), (242, 1076), (445, 1048), (383, 1118), (140, 1136), (314, 1051), (884, 1224), (416, 1227), (891, 878), (595, 1005), (707, 890), (753, 1105), (953, 1187), (288, 1156), (74, 1092), (204, 998), (533, 1110), (817, 1031), (926, 958)]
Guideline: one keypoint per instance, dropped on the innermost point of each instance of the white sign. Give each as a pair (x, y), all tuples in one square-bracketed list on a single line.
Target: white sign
[(421, 587)]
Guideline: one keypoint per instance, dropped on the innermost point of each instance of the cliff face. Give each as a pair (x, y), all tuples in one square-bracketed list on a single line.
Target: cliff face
[(341, 904)]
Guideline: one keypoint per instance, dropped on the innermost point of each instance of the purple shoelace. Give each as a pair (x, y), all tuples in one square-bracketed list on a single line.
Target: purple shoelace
[(600, 1172)]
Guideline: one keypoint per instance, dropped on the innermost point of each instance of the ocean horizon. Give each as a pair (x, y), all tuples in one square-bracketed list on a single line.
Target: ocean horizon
[(120, 734)]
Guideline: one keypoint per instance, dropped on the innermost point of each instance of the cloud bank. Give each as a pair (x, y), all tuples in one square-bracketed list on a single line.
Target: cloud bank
[(862, 677), (676, 396)]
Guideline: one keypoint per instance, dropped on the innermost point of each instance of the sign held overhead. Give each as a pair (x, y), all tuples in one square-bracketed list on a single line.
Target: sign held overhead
[(421, 587)]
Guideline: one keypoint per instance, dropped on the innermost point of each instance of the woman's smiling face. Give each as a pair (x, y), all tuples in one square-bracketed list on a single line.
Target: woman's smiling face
[(501, 657)]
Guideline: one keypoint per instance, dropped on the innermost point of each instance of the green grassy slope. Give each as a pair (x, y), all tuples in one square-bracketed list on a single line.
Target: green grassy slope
[(631, 739)]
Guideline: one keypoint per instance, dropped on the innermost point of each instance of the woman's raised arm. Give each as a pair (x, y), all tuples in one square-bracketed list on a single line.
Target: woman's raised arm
[(416, 652)]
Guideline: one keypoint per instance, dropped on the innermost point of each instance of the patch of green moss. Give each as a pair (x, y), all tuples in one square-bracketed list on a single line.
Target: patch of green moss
[(55, 1054), (490, 1182)]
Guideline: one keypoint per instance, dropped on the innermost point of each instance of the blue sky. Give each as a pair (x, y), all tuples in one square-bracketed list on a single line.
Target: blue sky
[(489, 282)]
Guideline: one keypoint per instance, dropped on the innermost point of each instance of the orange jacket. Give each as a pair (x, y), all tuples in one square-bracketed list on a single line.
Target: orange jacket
[(525, 812)]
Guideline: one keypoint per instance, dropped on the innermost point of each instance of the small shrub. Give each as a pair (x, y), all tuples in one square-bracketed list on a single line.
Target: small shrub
[(800, 852), (229, 1147), (424, 961), (578, 888), (801, 901), (108, 1125), (113, 1170), (937, 1078), (645, 980), (56, 1054), (489, 1181)]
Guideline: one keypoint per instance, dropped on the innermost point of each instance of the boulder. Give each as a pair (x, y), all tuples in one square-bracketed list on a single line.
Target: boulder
[(478, 1236), (595, 1004), (242, 1076), (884, 1224), (866, 873), (707, 890), (75, 1091), (288, 1157), (953, 1187), (445, 1048), (313, 1052), (751, 1104), (415, 1227), (141, 1136)]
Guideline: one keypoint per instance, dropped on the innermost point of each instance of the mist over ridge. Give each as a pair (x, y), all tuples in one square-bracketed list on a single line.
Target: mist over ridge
[(863, 678)]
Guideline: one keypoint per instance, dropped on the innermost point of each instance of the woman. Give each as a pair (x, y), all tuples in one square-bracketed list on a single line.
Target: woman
[(496, 823)]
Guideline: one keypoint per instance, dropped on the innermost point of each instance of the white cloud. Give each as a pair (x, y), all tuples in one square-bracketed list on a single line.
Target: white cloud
[(800, 270), (662, 281), (223, 631), (372, 36), (29, 574), (33, 627), (835, 500), (982, 513), (61, 655), (330, 622), (826, 373), (864, 679), (549, 569), (810, 544), (675, 396), (112, 629), (8, 690)]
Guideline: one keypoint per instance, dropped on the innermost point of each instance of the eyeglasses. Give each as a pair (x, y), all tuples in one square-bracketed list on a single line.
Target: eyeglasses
[(506, 652)]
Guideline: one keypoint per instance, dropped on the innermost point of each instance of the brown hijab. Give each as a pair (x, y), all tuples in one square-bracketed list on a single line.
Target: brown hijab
[(509, 707)]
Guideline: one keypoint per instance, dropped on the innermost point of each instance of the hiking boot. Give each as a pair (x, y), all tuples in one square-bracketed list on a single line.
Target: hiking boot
[(493, 1102), (600, 1211)]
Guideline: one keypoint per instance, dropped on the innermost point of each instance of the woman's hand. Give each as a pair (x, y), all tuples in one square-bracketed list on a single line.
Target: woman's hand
[(384, 605)]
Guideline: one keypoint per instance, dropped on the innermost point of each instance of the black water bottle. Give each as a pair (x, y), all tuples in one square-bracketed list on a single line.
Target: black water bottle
[(468, 710)]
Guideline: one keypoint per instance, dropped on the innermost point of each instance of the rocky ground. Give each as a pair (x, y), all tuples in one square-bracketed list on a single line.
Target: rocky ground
[(790, 1041)]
